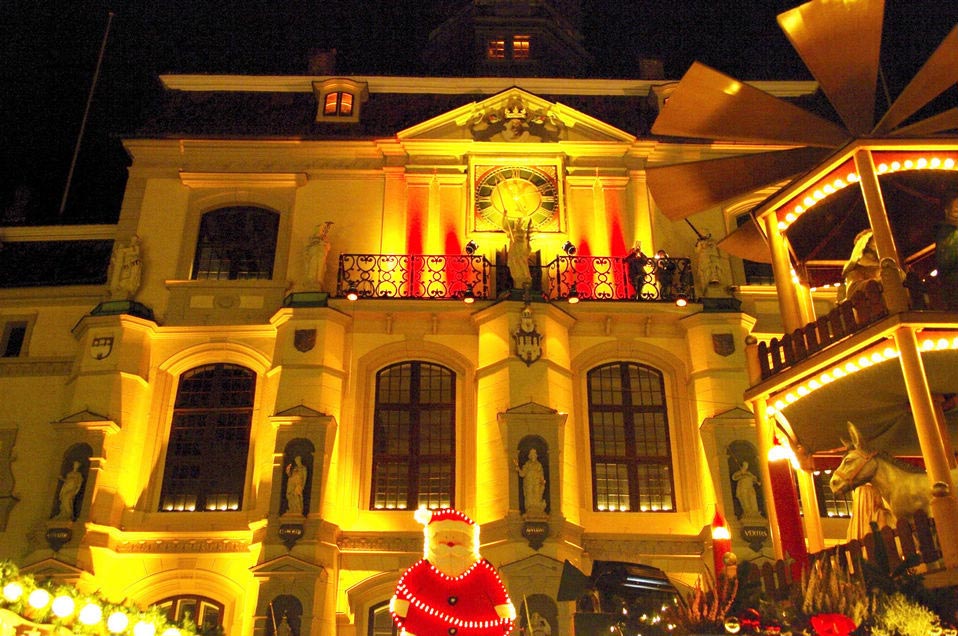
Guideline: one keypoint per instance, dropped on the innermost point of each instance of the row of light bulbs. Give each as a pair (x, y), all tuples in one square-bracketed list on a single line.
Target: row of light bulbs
[(832, 184), (38, 605), (876, 355)]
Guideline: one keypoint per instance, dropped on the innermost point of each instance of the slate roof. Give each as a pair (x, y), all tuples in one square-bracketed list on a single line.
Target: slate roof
[(293, 115)]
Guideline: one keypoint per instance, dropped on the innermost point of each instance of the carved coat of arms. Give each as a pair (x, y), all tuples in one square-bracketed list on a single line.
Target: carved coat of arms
[(101, 347), (528, 339), (304, 339), (723, 343)]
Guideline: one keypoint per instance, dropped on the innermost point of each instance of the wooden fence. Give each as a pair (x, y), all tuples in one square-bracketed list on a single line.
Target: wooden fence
[(887, 551)]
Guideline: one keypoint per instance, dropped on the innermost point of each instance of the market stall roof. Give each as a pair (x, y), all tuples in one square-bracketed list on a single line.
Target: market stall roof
[(875, 400)]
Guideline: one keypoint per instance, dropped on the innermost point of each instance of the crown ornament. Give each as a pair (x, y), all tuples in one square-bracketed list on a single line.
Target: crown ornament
[(515, 109)]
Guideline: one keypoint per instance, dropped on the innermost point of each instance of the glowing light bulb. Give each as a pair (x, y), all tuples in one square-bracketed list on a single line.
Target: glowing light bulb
[(91, 614), (934, 163), (896, 165), (12, 592), (39, 599), (144, 628), (63, 606), (922, 163), (117, 622)]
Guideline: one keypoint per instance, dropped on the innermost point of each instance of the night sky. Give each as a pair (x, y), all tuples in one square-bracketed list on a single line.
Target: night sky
[(49, 52)]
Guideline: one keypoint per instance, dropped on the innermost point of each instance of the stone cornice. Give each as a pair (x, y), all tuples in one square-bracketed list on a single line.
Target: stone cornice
[(453, 85)]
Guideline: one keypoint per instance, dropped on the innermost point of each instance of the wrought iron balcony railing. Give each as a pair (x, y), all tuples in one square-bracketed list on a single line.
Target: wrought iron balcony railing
[(607, 278), (414, 276), (457, 276)]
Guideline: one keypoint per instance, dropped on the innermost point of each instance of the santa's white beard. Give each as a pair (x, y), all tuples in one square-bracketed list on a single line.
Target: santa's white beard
[(450, 560)]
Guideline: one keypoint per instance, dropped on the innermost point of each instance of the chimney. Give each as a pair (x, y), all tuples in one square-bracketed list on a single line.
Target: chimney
[(321, 62)]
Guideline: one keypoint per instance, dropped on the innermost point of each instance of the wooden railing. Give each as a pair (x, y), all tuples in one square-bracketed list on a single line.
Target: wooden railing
[(910, 545), (865, 308)]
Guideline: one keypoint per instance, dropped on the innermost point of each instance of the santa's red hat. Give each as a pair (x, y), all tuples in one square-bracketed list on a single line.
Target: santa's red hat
[(445, 519)]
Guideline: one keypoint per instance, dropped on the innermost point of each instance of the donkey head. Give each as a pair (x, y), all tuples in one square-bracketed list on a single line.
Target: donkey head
[(854, 469)]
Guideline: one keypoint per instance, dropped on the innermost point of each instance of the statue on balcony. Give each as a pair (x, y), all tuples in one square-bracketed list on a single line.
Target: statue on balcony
[(946, 255), (317, 251), (712, 268), (862, 266), (519, 231), (126, 269)]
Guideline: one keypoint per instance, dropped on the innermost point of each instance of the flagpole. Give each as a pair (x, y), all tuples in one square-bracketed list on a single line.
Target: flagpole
[(86, 114)]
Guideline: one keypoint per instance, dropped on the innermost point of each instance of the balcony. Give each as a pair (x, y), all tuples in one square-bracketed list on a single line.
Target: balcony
[(460, 276)]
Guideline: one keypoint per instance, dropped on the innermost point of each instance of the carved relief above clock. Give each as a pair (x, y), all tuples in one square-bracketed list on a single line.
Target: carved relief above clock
[(525, 192)]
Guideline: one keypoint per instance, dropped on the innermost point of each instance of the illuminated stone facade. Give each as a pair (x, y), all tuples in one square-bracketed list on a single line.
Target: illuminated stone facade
[(117, 377)]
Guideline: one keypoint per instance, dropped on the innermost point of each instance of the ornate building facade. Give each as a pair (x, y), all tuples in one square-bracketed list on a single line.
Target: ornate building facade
[(329, 300)]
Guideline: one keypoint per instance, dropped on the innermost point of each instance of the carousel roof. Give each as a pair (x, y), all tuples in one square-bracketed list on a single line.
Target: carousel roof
[(707, 104), (810, 163)]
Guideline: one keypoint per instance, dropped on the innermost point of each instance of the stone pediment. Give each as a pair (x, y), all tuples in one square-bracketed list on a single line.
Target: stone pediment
[(515, 115), (737, 413), (83, 416), (537, 565), (531, 408), (53, 569), (286, 565), (300, 410)]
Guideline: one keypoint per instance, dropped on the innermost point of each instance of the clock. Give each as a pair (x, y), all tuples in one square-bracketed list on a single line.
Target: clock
[(517, 192)]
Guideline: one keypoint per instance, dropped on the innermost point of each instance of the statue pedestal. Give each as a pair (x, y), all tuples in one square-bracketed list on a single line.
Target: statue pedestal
[(535, 528)]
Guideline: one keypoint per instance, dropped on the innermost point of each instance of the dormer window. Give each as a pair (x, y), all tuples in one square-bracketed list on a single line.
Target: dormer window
[(496, 50), (338, 105), (520, 47), (339, 99), (515, 47)]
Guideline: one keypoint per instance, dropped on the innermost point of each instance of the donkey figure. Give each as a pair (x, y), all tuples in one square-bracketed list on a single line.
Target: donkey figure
[(905, 488)]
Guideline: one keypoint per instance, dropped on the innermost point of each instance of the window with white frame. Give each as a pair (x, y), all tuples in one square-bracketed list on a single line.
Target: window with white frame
[(629, 432)]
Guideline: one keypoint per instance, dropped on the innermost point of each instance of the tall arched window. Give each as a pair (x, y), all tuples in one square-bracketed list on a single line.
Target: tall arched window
[(236, 243), (414, 442), (380, 621), (209, 440), (629, 431)]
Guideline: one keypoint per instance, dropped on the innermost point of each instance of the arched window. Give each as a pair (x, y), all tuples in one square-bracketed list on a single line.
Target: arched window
[(414, 437), (380, 621), (205, 612), (629, 431), (209, 440), (236, 243)]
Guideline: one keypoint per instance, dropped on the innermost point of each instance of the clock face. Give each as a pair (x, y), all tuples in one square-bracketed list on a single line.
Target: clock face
[(517, 192)]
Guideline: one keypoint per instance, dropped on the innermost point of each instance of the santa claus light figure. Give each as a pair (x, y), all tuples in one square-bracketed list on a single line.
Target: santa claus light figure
[(452, 591)]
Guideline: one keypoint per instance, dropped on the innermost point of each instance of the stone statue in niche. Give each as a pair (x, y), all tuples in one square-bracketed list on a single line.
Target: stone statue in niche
[(70, 485), (533, 480), (745, 483), (296, 476)]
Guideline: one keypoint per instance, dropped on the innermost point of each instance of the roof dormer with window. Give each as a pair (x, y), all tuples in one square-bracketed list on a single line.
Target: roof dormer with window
[(339, 99)]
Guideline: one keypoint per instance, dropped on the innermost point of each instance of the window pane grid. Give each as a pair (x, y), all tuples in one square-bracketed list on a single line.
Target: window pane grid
[(414, 437), (237, 243), (631, 452), (209, 440)]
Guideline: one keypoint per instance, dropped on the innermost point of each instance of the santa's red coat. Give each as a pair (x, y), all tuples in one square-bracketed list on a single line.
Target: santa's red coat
[(440, 605)]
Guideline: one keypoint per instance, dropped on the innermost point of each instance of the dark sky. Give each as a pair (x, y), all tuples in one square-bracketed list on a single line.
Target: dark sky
[(49, 52)]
